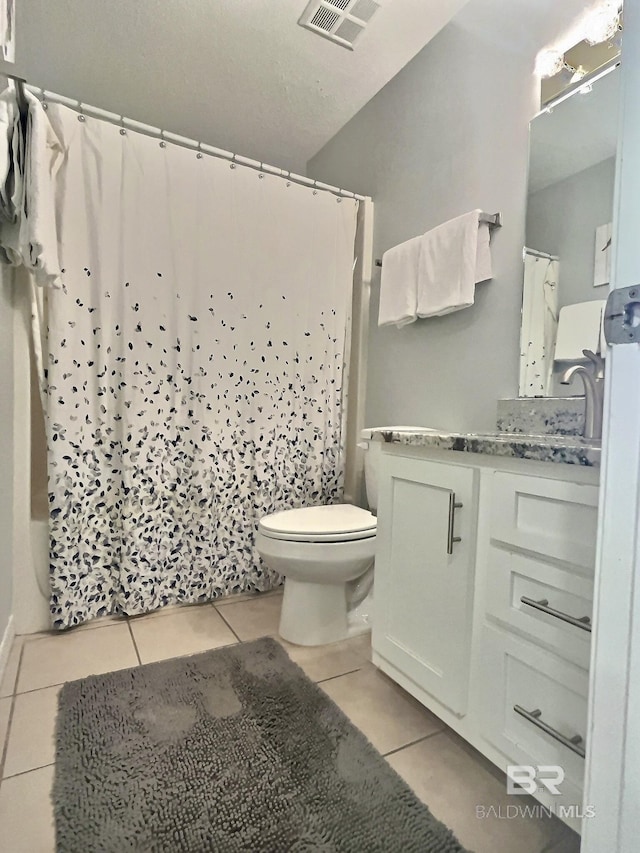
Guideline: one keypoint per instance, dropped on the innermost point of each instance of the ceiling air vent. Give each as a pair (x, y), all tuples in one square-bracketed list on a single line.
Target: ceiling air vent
[(342, 21)]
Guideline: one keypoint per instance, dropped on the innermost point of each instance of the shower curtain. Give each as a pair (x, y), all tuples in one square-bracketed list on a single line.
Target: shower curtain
[(539, 324), (195, 368)]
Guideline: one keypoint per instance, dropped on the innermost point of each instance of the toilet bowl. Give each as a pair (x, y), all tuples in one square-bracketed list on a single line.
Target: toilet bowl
[(318, 550), (326, 555)]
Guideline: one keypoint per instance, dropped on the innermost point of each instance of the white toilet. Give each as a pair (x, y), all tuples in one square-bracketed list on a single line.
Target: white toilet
[(326, 556)]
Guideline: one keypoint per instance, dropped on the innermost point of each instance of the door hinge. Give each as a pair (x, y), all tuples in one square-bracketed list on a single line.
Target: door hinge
[(622, 316)]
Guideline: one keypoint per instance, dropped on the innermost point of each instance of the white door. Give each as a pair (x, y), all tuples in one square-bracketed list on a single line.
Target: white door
[(424, 574), (612, 784)]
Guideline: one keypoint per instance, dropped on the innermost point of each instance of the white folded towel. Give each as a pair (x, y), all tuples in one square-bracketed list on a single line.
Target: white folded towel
[(7, 129), (399, 284), (579, 327), (39, 234), (31, 238), (454, 257)]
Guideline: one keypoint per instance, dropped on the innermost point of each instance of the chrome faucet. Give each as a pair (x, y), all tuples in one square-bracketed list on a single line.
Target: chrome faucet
[(593, 392)]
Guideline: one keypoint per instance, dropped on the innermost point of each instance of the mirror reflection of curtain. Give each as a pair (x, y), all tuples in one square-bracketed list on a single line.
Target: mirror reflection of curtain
[(539, 323)]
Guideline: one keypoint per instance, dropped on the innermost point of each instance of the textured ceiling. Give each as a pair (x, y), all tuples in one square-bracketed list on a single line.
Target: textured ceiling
[(239, 74)]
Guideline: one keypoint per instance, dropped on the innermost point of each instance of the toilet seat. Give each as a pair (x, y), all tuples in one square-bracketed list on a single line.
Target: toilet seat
[(336, 523)]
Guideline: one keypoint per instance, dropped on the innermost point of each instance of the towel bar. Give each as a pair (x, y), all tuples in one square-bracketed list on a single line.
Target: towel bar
[(493, 220)]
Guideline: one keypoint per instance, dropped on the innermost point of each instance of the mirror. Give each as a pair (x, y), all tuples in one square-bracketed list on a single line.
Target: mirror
[(568, 232)]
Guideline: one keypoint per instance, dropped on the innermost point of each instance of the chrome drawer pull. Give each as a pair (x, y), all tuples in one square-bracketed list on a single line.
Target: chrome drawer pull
[(453, 506), (583, 622), (575, 743)]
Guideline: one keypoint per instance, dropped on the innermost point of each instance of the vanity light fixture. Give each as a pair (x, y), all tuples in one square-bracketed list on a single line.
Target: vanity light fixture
[(602, 24), (563, 70)]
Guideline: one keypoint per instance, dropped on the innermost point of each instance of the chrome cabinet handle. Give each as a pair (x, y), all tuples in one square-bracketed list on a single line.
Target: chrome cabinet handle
[(583, 622), (575, 743), (453, 506)]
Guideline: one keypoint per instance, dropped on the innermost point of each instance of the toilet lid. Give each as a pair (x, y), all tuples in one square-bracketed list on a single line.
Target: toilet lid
[(317, 523)]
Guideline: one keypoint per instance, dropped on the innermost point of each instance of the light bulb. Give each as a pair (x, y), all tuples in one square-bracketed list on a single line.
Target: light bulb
[(549, 62), (578, 74), (601, 24)]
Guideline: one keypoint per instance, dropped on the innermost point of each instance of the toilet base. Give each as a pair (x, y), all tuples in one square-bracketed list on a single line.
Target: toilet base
[(313, 614)]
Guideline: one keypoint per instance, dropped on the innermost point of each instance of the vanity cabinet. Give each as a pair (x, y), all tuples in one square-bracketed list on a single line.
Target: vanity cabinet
[(494, 637), (424, 574)]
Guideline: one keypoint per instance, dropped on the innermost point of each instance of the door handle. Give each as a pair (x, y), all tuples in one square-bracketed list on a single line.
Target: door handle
[(453, 506), (575, 743), (583, 622)]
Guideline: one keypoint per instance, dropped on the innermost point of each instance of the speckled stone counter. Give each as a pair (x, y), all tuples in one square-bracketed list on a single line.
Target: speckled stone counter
[(542, 415), (568, 449)]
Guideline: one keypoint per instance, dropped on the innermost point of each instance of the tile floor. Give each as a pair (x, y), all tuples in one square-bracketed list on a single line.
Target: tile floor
[(443, 770)]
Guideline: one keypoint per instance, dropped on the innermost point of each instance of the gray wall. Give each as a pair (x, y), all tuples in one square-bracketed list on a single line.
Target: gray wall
[(449, 133), (6, 448), (562, 220)]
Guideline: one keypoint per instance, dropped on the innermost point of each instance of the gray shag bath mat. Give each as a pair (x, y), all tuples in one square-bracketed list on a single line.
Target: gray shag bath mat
[(231, 750)]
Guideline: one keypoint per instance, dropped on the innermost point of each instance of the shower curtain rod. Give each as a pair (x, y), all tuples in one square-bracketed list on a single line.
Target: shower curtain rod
[(164, 136)]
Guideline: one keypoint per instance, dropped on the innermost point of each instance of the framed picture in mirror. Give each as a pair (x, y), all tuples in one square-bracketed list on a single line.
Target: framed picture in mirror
[(602, 257)]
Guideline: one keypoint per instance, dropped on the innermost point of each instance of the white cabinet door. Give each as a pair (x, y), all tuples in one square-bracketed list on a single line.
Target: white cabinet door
[(425, 573)]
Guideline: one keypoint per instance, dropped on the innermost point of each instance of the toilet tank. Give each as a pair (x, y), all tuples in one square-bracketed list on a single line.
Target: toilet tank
[(372, 448)]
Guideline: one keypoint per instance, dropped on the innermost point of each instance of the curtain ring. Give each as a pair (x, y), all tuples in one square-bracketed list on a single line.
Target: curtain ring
[(81, 115), (123, 131), (163, 144), (260, 173), (199, 154), (232, 164), (45, 105), (288, 176), (315, 191)]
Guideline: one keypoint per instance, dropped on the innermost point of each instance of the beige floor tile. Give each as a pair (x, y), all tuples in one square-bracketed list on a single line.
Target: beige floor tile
[(102, 622), (8, 686), (166, 611), (32, 737), (454, 780), (321, 662), (5, 713), (76, 654), (183, 632), (246, 596), (26, 813), (385, 713), (254, 617)]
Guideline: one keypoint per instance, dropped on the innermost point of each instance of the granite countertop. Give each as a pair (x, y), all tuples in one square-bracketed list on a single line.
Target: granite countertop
[(568, 449)]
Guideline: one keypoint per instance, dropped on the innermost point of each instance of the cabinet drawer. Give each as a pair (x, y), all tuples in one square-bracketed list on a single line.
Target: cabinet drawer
[(513, 576), (517, 673), (552, 518)]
